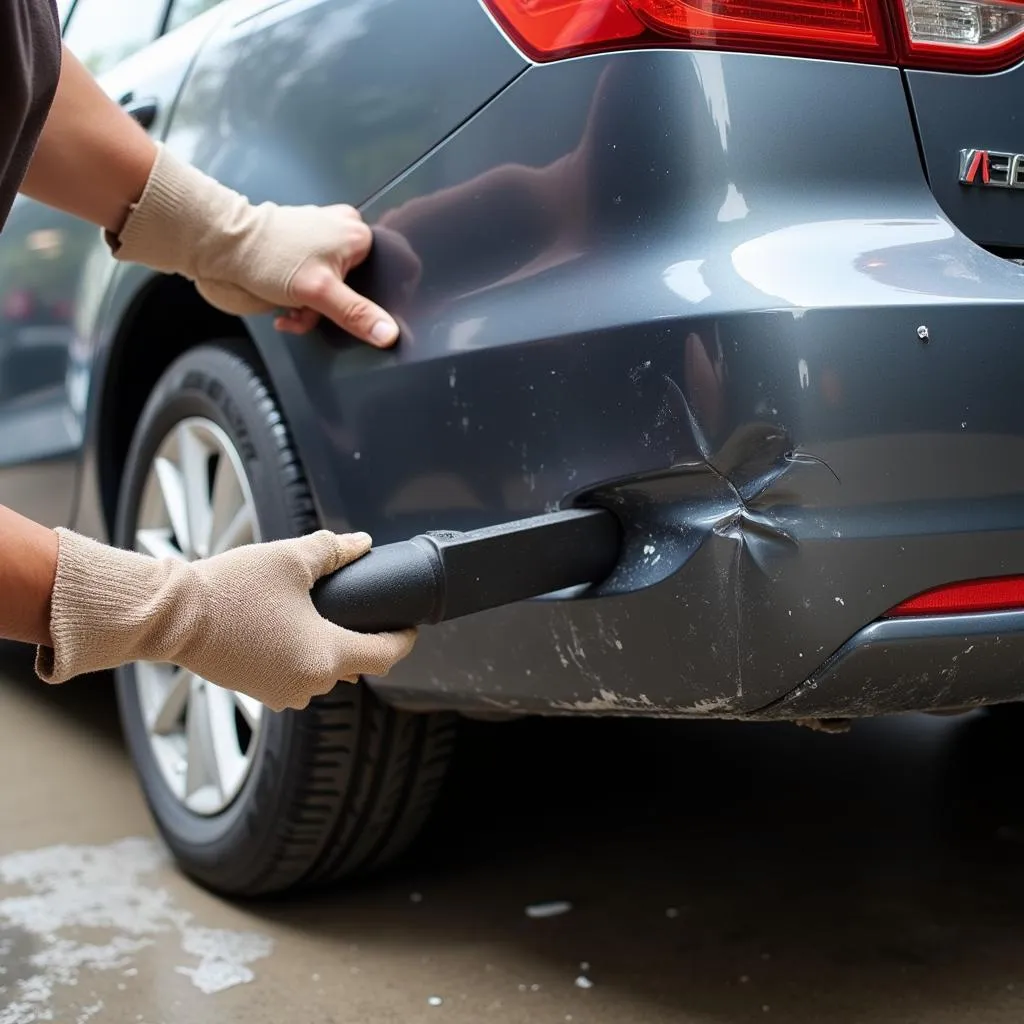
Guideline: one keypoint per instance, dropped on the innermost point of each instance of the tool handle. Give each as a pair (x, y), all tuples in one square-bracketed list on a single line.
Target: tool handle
[(441, 576), (393, 587)]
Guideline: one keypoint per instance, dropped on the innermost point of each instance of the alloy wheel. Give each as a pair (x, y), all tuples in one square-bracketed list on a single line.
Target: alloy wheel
[(196, 503)]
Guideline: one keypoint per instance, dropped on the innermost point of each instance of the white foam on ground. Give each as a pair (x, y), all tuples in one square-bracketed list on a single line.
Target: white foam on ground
[(223, 957), (102, 888)]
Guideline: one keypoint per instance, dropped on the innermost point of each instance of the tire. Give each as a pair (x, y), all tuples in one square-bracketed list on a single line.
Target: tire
[(337, 789)]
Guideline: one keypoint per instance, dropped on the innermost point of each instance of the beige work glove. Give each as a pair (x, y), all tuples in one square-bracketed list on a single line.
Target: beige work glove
[(243, 619), (247, 259)]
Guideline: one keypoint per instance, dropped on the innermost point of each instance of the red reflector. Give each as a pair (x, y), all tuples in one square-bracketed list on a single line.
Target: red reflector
[(550, 29), (996, 594)]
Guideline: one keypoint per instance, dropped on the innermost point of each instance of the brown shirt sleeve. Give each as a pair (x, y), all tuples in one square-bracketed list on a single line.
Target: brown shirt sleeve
[(29, 70)]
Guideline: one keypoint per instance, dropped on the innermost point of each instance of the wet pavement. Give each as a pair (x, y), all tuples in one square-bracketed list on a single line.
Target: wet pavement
[(716, 872)]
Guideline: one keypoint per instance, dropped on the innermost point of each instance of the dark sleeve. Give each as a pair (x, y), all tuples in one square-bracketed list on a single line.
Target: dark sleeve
[(29, 71)]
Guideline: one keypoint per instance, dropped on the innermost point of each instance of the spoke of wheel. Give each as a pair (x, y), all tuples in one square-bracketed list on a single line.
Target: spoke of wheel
[(195, 479), (224, 733), (157, 542), (251, 708), (173, 493), (197, 503), (202, 761), (228, 507), (175, 698), (238, 531)]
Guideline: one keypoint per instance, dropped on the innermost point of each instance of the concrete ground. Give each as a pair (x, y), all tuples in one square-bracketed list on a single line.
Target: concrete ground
[(716, 873)]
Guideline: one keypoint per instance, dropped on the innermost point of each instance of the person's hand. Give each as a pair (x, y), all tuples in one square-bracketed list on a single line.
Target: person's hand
[(244, 619), (247, 259), (319, 288)]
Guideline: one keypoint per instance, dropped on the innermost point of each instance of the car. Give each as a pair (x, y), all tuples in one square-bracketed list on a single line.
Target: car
[(747, 275)]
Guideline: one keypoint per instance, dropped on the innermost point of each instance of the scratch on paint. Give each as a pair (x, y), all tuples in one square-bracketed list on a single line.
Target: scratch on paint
[(579, 655), (608, 634), (558, 647)]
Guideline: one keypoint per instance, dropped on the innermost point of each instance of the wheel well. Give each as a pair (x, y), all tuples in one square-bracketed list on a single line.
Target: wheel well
[(167, 319)]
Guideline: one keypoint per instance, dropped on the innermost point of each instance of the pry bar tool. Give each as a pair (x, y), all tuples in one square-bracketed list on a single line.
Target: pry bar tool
[(440, 576)]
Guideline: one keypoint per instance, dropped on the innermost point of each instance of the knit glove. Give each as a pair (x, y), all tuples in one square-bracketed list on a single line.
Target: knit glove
[(243, 619), (247, 259)]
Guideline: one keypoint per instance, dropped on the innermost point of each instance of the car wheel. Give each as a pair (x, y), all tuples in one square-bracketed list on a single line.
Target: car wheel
[(250, 801)]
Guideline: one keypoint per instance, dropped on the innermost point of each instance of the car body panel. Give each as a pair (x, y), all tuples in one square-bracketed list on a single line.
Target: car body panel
[(943, 662), (746, 282), (226, 128), (328, 101), (222, 123), (956, 112)]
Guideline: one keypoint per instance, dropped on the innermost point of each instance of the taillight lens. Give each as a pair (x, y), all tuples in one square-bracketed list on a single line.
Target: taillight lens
[(959, 35), (855, 29), (550, 29), (997, 594)]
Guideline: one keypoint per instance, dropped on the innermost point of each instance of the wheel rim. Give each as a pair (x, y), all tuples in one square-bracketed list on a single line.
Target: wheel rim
[(196, 502)]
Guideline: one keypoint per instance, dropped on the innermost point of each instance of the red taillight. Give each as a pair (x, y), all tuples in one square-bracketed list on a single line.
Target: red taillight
[(997, 594), (549, 29), (960, 35), (854, 29)]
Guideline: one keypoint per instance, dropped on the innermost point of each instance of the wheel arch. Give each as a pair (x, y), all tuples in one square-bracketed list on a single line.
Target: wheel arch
[(148, 320), (165, 319)]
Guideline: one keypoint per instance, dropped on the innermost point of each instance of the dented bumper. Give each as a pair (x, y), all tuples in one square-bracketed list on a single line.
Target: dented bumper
[(744, 323), (853, 465)]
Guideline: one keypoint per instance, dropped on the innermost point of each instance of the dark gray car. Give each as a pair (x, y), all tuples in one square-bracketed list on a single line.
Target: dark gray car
[(743, 272)]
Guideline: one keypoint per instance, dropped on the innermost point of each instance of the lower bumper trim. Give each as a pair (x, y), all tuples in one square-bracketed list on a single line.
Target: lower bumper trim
[(916, 664)]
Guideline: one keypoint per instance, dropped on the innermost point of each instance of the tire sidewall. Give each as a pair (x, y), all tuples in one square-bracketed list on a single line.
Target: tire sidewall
[(217, 384)]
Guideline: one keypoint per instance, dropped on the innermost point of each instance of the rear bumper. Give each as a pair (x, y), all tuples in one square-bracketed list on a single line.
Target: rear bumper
[(709, 318), (948, 661), (855, 466)]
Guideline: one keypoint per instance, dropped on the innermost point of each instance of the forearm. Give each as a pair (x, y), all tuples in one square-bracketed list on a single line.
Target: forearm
[(92, 160), (28, 564)]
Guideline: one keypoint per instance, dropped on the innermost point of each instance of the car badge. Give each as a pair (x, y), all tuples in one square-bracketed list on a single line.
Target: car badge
[(987, 168)]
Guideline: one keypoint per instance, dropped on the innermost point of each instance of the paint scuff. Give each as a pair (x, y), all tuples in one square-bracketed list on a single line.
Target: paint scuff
[(607, 700)]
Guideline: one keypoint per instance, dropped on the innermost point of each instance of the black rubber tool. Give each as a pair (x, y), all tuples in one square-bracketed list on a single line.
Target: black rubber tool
[(439, 576)]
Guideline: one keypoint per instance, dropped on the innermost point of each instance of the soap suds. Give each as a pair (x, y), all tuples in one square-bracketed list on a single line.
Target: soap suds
[(58, 891)]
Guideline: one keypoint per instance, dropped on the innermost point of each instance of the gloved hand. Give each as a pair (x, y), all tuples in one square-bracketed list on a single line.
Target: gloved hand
[(243, 619), (248, 259)]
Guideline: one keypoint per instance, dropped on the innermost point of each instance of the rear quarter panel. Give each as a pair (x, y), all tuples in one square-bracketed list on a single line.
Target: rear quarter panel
[(329, 101)]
